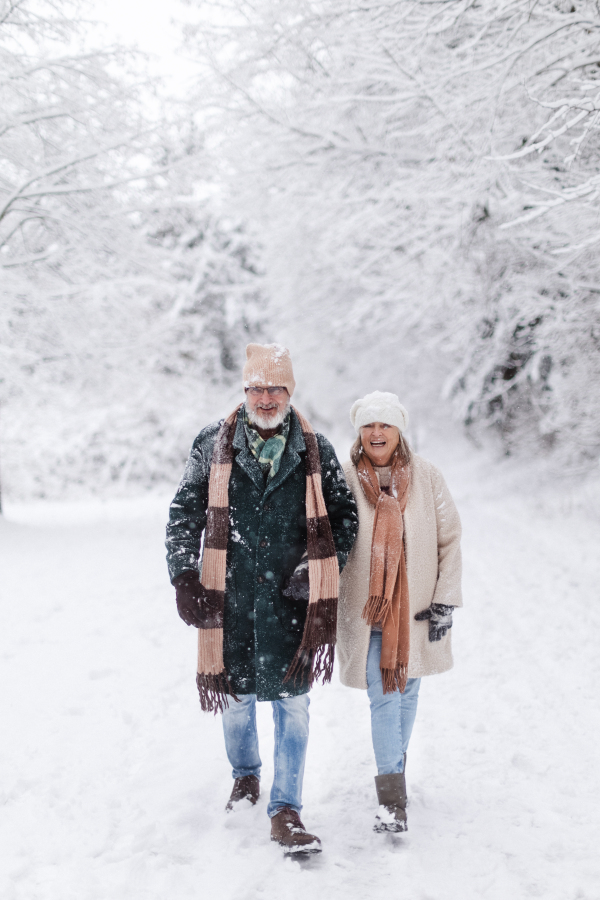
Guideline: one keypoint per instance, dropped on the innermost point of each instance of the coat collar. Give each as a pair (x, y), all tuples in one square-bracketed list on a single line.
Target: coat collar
[(244, 457), (289, 461)]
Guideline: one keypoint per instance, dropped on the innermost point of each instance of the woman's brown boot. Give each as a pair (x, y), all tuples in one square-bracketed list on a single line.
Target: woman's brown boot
[(391, 795)]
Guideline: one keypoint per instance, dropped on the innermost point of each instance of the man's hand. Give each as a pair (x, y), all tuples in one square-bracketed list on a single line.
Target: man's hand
[(440, 620), (188, 592), (298, 587)]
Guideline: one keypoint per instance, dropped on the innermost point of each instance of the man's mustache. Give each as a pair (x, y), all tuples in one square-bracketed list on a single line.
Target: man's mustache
[(264, 406)]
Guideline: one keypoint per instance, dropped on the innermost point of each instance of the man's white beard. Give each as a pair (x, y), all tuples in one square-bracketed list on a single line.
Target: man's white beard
[(264, 422)]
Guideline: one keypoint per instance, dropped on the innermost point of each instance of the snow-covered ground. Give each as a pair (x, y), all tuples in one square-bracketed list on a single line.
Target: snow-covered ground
[(113, 781)]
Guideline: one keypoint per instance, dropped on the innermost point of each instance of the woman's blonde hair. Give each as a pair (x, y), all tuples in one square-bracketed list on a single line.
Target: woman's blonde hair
[(402, 450)]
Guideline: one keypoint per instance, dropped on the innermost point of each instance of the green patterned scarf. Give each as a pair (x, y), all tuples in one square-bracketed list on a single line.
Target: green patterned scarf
[(268, 452)]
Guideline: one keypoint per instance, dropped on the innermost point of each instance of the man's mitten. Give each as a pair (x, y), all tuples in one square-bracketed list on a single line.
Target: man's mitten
[(188, 593), (298, 587), (440, 620)]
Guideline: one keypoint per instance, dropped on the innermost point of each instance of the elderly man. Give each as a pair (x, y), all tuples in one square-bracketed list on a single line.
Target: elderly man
[(278, 522)]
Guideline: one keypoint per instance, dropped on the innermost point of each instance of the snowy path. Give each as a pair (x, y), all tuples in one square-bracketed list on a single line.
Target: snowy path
[(113, 783)]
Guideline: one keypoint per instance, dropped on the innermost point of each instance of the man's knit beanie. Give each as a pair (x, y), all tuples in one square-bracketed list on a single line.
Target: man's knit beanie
[(380, 406), (268, 365)]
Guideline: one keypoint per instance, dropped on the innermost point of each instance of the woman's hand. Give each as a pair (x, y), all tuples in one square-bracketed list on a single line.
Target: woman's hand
[(440, 620)]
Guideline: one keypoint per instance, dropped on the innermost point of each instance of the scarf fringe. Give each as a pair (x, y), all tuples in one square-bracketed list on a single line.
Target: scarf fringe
[(213, 691), (319, 664), (376, 609), (394, 679), (322, 664), (317, 650)]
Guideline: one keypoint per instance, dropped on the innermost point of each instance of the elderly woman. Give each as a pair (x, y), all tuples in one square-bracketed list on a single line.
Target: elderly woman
[(399, 587)]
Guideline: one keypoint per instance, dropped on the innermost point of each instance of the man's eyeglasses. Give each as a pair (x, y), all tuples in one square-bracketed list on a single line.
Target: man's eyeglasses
[(272, 391)]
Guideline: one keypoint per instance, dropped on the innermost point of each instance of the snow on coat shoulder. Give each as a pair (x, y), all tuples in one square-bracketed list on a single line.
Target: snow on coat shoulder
[(432, 539)]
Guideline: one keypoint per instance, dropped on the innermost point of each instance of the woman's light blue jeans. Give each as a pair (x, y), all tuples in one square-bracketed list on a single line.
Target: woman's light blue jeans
[(290, 715), (392, 715)]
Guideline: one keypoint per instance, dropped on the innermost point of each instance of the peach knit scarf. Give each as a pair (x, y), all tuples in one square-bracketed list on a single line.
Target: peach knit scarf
[(388, 585)]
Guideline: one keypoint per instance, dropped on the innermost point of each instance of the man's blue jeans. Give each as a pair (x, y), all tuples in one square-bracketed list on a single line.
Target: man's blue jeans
[(392, 715), (291, 738)]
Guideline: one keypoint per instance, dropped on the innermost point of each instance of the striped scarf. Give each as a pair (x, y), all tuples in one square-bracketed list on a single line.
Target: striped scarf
[(317, 648)]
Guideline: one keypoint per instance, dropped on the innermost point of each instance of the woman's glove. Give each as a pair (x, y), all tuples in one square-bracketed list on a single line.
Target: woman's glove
[(440, 620), (298, 587), (188, 593)]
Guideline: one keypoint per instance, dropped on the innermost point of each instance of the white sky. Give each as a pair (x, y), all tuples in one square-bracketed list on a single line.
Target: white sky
[(149, 25)]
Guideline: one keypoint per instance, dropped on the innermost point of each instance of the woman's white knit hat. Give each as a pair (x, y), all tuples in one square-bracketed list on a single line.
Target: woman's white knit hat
[(380, 406)]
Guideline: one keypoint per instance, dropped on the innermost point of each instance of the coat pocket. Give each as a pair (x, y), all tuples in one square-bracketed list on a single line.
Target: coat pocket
[(292, 614)]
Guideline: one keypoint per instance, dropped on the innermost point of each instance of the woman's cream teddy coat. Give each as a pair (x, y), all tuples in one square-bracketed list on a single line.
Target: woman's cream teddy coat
[(432, 543)]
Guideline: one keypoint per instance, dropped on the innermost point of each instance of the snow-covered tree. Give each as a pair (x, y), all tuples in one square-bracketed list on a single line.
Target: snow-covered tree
[(109, 260), (531, 330), (377, 145), (71, 136)]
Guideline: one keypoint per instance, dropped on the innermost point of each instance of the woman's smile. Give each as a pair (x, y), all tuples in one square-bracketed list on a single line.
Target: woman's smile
[(379, 441)]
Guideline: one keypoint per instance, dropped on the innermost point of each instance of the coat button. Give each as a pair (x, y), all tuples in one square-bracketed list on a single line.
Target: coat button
[(266, 507), (260, 579), (263, 543)]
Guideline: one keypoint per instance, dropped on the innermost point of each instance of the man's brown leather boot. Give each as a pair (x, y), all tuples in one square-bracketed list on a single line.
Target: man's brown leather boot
[(289, 832), (245, 788)]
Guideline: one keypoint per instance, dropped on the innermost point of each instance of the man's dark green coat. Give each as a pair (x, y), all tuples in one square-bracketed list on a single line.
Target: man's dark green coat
[(267, 538)]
